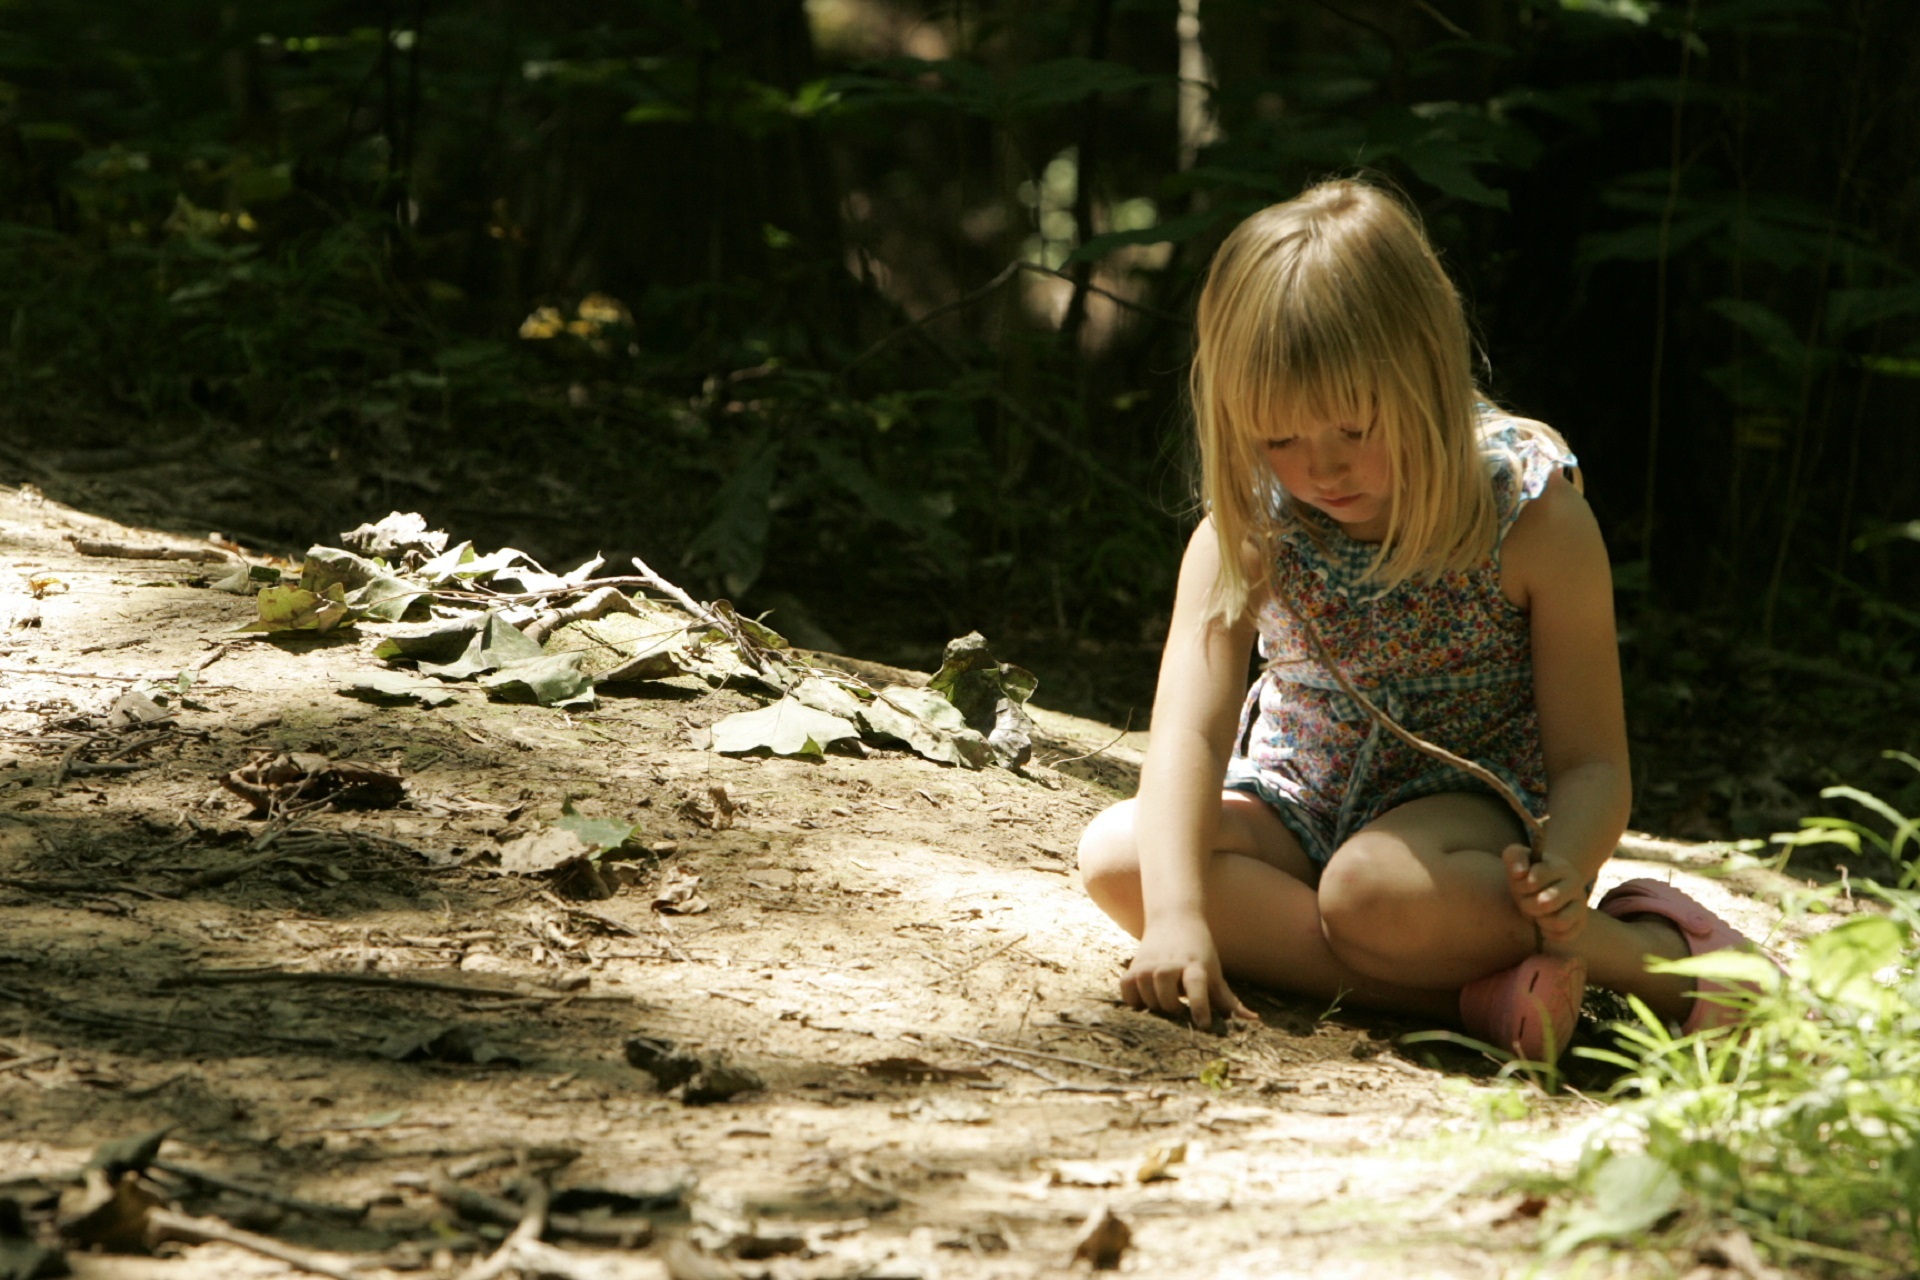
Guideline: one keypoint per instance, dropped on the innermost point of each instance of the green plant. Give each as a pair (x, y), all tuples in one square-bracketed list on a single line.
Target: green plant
[(1802, 1126), (1901, 846)]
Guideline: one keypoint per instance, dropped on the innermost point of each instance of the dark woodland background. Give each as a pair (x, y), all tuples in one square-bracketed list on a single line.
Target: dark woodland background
[(874, 313)]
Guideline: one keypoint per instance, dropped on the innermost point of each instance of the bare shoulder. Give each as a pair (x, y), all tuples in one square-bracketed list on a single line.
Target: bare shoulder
[(1555, 545)]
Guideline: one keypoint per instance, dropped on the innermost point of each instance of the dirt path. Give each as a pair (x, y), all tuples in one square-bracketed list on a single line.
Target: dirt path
[(896, 950)]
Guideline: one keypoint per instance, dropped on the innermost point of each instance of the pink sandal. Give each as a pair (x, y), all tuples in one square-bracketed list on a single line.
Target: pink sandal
[(1702, 930), (1530, 1008)]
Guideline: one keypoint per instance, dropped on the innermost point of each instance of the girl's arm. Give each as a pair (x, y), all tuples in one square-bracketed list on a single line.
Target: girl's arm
[(1555, 564), (1196, 707)]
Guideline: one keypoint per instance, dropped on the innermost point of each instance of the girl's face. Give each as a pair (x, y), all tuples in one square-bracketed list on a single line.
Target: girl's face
[(1339, 468)]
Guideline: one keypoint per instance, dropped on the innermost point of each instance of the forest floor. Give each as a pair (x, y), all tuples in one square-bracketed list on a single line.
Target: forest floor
[(900, 1003)]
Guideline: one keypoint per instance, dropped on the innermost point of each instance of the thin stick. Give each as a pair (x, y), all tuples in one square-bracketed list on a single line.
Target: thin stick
[(389, 981), (1101, 750), (545, 593), (680, 597), (80, 886), (1036, 1053), (164, 1224), (311, 1207), (533, 1222), (1534, 827), (623, 1233), (120, 1021), (131, 551), (21, 1064)]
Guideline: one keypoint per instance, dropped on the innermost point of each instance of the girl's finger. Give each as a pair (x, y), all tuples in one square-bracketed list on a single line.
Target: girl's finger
[(1197, 1003), (1225, 999), (1517, 857)]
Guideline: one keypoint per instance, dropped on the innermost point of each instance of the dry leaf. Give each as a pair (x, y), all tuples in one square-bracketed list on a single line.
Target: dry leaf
[(107, 1212), (1156, 1165), (679, 894), (1103, 1239)]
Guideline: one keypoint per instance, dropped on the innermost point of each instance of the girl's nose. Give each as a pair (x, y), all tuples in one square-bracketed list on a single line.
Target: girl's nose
[(1326, 460)]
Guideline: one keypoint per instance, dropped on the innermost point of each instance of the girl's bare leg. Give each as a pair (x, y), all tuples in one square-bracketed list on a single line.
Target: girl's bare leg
[(1422, 890), (1261, 907)]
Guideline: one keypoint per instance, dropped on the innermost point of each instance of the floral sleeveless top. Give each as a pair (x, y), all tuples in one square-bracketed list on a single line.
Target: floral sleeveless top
[(1449, 657)]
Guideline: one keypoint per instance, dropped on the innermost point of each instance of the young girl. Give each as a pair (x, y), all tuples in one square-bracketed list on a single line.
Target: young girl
[(1363, 503)]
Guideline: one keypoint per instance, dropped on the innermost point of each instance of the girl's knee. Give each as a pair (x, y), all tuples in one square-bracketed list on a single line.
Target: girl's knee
[(1373, 898), (1110, 862)]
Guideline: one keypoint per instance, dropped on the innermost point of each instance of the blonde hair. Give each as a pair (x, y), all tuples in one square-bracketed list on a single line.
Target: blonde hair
[(1332, 306)]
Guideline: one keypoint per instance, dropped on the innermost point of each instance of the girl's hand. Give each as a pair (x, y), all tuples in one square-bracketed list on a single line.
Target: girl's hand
[(1549, 892), (1176, 960)]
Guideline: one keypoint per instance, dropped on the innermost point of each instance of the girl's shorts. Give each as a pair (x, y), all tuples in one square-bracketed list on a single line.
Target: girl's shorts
[(1321, 831)]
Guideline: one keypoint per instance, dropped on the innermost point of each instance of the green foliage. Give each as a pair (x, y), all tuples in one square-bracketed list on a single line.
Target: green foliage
[(705, 281), (1802, 1127), (1900, 845)]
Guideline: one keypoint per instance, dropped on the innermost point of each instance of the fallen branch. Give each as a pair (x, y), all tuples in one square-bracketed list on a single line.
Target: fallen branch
[(1127, 1072), (389, 981), (723, 618), (134, 551), (1125, 729), (604, 921), (598, 604), (312, 1208), (164, 1224), (96, 768), (78, 886), (68, 675), (121, 1021), (533, 1223), (478, 1206), (22, 1064)]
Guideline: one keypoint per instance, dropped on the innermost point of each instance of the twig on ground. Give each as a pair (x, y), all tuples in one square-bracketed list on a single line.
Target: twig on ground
[(311, 1207), (605, 921), (223, 875), (67, 757), (164, 1224), (478, 1206), (1100, 750), (390, 981), (69, 675), (1032, 1070), (998, 951), (79, 886), (134, 551), (597, 604), (22, 1064), (1127, 1072), (678, 596), (120, 1021), (751, 649), (533, 1224), (96, 768)]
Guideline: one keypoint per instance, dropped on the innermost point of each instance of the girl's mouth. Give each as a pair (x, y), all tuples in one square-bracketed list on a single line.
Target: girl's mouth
[(1346, 501)]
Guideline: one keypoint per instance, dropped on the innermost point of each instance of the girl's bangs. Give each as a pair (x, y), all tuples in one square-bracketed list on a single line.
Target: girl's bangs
[(1279, 395)]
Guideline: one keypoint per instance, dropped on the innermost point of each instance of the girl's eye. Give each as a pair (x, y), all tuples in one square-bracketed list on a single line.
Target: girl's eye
[(1280, 444), (1356, 433)]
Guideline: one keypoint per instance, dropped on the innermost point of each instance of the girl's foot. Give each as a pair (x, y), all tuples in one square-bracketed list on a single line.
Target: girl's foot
[(1530, 1008), (1650, 903)]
